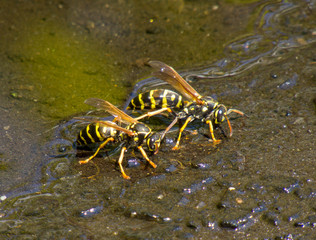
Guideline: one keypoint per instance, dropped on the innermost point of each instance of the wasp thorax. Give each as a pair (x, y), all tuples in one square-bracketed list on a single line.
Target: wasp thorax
[(141, 130), (210, 102)]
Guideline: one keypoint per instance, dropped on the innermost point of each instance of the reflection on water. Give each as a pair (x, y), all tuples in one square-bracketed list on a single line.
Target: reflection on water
[(260, 183)]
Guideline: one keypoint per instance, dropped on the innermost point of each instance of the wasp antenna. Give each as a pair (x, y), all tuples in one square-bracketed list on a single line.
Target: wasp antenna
[(235, 111), (230, 127)]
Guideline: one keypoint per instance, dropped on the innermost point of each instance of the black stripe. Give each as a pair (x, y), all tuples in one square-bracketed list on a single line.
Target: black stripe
[(158, 96), (92, 132)]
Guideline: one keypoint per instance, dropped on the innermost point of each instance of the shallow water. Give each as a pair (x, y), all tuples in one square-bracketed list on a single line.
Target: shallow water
[(258, 57)]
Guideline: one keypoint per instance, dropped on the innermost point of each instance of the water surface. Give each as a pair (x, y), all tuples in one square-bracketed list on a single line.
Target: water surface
[(254, 56)]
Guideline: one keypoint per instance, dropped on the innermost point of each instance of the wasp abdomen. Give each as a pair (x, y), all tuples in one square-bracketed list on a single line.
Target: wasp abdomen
[(94, 133), (156, 99)]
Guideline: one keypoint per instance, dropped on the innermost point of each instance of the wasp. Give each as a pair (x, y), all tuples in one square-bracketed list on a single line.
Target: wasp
[(135, 135), (203, 109)]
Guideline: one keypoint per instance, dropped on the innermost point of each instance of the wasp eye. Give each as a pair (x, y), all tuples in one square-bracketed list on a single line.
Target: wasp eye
[(220, 115)]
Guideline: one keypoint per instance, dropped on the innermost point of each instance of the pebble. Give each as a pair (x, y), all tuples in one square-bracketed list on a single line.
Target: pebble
[(289, 83)]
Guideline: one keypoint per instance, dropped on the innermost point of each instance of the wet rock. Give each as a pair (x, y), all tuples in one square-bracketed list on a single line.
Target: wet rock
[(260, 209), (91, 211), (177, 228), (201, 166), (171, 168), (288, 113), (148, 216), (293, 217), (305, 193), (157, 178), (166, 220), (274, 75), (198, 186), (302, 224), (193, 225), (311, 222), (258, 188), (272, 218), (291, 188), (235, 223), (133, 163), (183, 201), (200, 205), (212, 225), (289, 83), (169, 141), (151, 217), (59, 148), (224, 205), (285, 237)]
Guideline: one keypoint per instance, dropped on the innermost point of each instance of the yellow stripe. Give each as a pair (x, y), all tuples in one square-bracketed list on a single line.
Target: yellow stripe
[(141, 101), (82, 139), (179, 102), (216, 113), (89, 135), (164, 100), (97, 126), (152, 100), (132, 102)]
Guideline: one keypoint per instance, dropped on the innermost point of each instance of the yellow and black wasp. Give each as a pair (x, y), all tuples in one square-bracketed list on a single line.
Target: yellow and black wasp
[(134, 135), (204, 109)]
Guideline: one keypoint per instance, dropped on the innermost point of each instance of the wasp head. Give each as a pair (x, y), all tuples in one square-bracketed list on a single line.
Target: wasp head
[(220, 114), (153, 142)]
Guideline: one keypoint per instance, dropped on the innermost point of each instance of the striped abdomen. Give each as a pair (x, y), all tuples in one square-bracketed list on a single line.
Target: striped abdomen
[(156, 99), (94, 133)]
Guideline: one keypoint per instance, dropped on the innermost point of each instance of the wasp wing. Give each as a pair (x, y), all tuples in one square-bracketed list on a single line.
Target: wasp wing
[(169, 75), (107, 124), (105, 105)]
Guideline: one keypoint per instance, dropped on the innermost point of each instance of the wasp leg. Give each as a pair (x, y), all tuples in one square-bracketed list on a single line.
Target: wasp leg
[(167, 130), (97, 151), (209, 122), (146, 157), (153, 113), (120, 163), (180, 133), (169, 127)]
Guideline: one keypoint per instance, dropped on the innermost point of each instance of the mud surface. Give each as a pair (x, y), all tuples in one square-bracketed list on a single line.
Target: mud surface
[(258, 57)]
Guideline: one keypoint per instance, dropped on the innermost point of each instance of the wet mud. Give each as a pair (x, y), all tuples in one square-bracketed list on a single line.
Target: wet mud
[(257, 184)]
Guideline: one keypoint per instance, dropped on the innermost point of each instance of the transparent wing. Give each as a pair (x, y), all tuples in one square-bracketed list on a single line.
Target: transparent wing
[(105, 105), (168, 74)]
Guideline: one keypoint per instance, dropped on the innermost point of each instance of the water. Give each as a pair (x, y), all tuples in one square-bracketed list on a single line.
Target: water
[(257, 57)]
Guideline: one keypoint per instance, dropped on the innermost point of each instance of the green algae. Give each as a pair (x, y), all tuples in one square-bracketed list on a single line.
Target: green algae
[(65, 68)]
